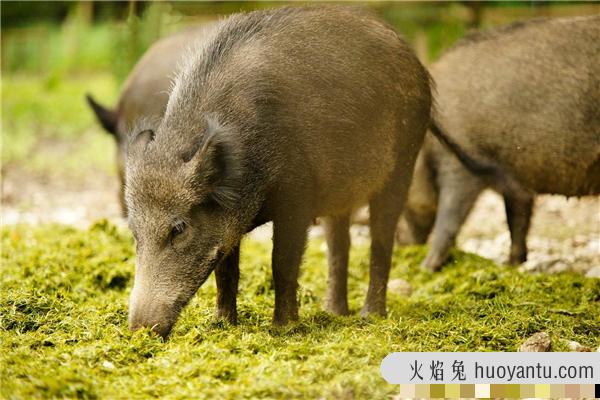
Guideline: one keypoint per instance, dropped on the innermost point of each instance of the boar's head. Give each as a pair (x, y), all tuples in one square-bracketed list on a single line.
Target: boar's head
[(182, 195)]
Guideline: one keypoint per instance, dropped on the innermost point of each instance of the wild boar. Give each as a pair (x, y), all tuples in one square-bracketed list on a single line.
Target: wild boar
[(525, 99), (283, 115), (145, 92)]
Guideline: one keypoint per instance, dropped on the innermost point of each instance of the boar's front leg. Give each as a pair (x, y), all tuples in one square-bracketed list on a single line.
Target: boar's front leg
[(337, 233), (458, 193), (227, 276), (289, 239), (519, 208)]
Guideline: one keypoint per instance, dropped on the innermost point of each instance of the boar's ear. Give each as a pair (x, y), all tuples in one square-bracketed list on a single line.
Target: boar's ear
[(138, 143), (106, 117), (214, 164)]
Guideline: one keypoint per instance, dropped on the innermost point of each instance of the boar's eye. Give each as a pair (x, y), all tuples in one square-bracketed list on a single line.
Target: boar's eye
[(177, 230)]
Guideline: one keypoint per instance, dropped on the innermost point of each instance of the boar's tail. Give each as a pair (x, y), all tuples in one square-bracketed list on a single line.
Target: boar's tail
[(475, 166), (106, 117), (481, 168)]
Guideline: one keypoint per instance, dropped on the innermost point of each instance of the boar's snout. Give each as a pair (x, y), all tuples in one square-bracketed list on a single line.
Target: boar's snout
[(159, 317), (163, 328)]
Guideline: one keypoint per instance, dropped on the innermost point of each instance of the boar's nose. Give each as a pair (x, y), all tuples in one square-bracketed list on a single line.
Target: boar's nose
[(150, 316), (162, 327)]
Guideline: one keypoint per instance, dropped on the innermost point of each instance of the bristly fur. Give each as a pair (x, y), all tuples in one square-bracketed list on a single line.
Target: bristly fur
[(190, 55), (476, 36)]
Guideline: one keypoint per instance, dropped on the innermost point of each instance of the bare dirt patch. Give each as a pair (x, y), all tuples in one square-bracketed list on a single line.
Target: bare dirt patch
[(564, 234), (33, 198)]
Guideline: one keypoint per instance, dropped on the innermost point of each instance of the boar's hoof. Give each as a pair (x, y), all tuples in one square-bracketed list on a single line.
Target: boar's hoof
[(368, 310), (284, 318), (516, 259), (432, 262), (226, 315), (337, 308)]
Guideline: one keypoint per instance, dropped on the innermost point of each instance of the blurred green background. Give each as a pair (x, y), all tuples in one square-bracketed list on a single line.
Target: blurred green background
[(55, 52)]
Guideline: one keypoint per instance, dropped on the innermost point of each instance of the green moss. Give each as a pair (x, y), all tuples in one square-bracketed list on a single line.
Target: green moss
[(64, 329)]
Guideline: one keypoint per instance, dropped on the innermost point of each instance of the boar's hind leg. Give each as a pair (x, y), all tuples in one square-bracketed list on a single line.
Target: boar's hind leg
[(457, 196), (227, 275), (289, 239), (338, 243), (518, 215), (384, 211)]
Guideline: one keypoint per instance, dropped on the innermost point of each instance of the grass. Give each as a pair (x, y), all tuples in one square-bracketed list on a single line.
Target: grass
[(64, 333), (48, 128)]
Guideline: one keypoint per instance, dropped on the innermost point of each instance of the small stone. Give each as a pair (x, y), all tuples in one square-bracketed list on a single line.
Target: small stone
[(400, 286), (574, 346), (538, 342), (108, 365), (593, 273)]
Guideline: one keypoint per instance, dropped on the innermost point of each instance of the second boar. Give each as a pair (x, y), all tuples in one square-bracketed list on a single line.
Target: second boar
[(525, 100), (145, 92)]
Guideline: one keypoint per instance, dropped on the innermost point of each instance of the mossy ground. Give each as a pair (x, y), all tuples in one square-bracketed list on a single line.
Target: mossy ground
[(64, 329)]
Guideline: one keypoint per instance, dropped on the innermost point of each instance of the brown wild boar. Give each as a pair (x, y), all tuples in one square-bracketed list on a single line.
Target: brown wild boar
[(282, 115), (525, 100)]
